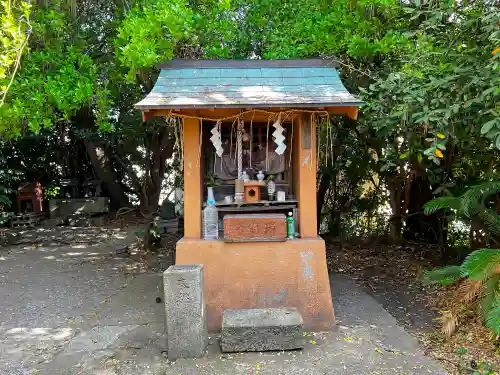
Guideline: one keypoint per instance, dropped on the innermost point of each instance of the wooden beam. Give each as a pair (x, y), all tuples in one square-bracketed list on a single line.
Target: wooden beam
[(221, 113), (350, 111), (306, 176), (192, 179), (146, 115), (258, 116)]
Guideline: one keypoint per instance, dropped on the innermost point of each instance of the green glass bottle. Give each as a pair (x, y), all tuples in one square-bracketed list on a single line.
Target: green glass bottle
[(290, 226)]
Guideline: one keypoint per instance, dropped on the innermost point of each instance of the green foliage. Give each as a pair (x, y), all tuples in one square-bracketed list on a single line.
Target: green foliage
[(52, 192), (151, 31), (443, 276), (475, 198), (274, 29), (428, 96), (15, 30), (9, 177), (211, 180), (481, 266), (481, 367), (493, 316), (57, 78), (441, 203), (473, 204), (74, 63)]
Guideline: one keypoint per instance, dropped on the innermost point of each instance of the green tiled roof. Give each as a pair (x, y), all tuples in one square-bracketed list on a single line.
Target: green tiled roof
[(247, 83)]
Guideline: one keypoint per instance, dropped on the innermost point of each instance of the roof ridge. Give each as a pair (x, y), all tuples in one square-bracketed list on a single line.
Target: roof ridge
[(249, 63)]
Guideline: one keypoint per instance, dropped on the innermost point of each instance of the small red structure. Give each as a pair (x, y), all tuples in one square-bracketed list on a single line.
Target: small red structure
[(30, 198)]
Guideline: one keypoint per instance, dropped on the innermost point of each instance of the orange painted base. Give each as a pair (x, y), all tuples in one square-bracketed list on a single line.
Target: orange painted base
[(261, 275)]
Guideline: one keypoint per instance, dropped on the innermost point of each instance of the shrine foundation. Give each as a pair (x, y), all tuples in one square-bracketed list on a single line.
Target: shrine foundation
[(263, 275)]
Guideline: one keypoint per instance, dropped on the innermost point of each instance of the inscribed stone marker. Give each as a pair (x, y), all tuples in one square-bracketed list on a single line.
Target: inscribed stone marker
[(185, 309)]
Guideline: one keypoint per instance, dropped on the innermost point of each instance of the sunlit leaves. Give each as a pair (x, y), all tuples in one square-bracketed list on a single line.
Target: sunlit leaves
[(15, 30), (436, 95), (274, 29), (150, 32)]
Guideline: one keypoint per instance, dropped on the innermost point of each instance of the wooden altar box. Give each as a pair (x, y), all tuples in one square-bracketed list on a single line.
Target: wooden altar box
[(252, 191), (254, 227)]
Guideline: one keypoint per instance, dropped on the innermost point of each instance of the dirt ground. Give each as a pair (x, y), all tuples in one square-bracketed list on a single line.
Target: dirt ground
[(87, 301), (392, 275)]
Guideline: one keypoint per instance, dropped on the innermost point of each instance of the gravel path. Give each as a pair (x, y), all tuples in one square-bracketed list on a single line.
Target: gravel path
[(72, 306)]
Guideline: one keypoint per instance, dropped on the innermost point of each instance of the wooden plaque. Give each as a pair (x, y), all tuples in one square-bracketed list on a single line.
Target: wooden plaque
[(254, 227)]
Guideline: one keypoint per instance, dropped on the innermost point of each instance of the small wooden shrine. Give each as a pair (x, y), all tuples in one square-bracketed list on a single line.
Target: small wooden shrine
[(30, 198), (251, 126)]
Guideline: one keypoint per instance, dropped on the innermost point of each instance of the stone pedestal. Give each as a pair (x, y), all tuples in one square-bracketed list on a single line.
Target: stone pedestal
[(67, 207), (250, 275), (257, 330), (185, 309)]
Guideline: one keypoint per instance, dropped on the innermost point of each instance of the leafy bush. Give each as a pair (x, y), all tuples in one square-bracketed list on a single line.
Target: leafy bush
[(8, 178), (480, 282), (479, 274)]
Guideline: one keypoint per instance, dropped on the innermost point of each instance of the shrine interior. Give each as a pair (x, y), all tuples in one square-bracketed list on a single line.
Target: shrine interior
[(260, 156)]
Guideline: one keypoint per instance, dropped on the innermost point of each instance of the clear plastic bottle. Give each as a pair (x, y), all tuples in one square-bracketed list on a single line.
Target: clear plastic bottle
[(210, 221)]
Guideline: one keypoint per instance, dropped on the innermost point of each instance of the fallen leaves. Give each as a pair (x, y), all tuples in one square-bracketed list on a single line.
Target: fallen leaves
[(391, 273)]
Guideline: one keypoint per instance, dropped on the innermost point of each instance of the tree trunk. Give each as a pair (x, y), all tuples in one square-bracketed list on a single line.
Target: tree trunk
[(395, 201), (101, 162), (418, 226), (324, 185), (149, 198), (159, 147), (106, 173), (395, 227)]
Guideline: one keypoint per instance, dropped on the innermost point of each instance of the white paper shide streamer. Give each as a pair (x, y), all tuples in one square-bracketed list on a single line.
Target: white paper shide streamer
[(216, 139), (279, 138)]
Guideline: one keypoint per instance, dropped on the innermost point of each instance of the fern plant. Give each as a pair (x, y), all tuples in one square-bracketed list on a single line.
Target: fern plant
[(479, 274), (471, 205)]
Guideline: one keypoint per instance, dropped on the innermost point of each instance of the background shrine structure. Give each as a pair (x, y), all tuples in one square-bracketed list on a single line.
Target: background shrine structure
[(243, 103)]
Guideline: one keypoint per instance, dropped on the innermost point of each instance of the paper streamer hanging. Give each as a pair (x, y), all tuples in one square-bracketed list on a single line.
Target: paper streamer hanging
[(216, 139), (279, 138)]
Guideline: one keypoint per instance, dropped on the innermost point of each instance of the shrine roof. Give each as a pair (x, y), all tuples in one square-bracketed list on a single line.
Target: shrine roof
[(248, 84)]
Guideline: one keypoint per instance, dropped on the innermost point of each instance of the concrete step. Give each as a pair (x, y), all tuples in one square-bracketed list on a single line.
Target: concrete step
[(256, 330)]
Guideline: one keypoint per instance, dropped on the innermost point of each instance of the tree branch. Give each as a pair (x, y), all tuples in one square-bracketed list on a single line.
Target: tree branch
[(129, 170), (18, 62)]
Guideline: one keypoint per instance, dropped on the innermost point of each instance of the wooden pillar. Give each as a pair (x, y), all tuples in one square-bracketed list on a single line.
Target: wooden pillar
[(192, 178), (305, 178)]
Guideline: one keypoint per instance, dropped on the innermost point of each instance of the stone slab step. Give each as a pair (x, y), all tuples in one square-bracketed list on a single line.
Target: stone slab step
[(168, 226), (256, 330)]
